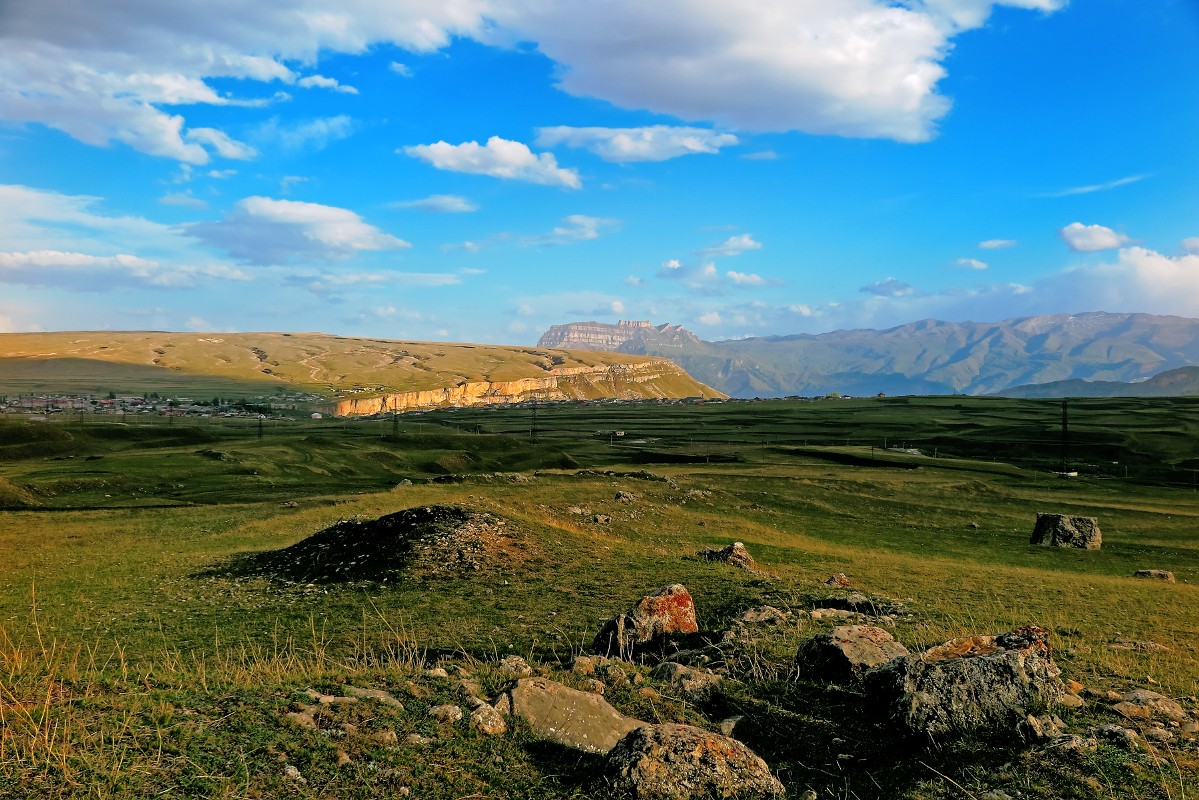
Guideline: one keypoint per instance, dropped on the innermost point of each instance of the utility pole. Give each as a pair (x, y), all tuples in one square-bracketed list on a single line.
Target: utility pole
[(1065, 439)]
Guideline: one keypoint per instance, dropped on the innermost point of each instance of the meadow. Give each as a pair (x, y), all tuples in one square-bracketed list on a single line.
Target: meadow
[(136, 660)]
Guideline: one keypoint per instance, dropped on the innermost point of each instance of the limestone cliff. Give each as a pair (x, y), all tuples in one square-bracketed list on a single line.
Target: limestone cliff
[(658, 378), (603, 335)]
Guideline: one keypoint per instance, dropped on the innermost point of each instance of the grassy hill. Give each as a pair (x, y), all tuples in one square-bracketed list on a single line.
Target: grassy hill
[(265, 364), (138, 660)]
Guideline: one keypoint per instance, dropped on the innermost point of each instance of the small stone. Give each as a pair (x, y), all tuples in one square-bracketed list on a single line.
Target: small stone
[(437, 672), (301, 719), (515, 667), (343, 757), (417, 739), (290, 773), (446, 713), (595, 686), (1071, 701), (583, 665), (403, 791), (601, 519), (1074, 687), (487, 720), (1119, 736), (377, 695), (384, 736)]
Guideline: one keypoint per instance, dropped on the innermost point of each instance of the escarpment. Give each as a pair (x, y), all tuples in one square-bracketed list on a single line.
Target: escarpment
[(652, 379)]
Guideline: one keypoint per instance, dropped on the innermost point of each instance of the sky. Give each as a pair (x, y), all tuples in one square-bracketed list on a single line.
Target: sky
[(478, 170)]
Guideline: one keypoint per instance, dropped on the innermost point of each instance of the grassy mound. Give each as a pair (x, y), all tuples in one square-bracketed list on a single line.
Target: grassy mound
[(430, 541)]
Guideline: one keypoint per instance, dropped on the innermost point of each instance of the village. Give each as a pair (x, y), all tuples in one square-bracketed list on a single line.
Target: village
[(154, 404)]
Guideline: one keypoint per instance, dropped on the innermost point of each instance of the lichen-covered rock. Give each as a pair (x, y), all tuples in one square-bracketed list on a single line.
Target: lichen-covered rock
[(971, 685), (847, 652), (734, 554), (515, 667), (1060, 530), (668, 611), (487, 720), (680, 762), (579, 720)]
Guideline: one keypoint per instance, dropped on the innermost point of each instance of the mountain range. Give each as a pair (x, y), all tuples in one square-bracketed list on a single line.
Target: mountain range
[(1115, 353)]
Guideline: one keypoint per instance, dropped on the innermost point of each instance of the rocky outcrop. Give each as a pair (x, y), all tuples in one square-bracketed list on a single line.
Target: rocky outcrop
[(681, 762), (640, 380), (1155, 574), (972, 685), (1060, 530), (668, 611), (592, 335), (734, 554)]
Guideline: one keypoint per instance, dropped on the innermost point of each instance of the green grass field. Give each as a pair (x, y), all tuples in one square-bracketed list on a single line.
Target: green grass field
[(136, 661)]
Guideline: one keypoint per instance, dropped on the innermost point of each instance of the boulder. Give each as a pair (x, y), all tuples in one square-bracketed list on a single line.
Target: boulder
[(1060, 530), (1155, 574), (668, 611), (734, 554), (971, 685), (574, 719), (847, 652), (681, 762), (515, 667), (487, 720)]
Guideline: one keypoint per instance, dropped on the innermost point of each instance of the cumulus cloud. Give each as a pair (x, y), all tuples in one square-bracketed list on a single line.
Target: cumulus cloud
[(499, 158), (264, 231), (1091, 238), (1191, 245), (971, 263), (997, 244), (80, 272), (709, 318), (650, 143), (745, 278), (889, 287), (574, 228), (853, 68), (442, 204), (313, 134), (617, 307), (322, 82), (222, 143), (732, 246)]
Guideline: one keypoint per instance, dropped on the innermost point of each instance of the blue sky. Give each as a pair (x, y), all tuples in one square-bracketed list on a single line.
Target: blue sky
[(477, 170)]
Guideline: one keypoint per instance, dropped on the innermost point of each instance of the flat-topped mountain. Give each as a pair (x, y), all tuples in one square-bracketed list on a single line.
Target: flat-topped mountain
[(350, 375), (925, 357)]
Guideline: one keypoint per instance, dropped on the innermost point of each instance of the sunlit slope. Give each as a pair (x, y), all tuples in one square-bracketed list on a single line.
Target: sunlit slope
[(333, 367)]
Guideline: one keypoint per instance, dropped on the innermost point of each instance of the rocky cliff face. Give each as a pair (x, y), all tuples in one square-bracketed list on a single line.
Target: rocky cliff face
[(625, 336), (643, 380)]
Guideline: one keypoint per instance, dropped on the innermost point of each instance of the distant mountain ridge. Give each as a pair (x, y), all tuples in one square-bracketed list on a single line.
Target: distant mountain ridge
[(925, 357)]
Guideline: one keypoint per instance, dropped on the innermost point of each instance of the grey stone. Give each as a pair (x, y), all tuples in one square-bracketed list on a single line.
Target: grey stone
[(847, 652), (692, 683), (1060, 530), (579, 720), (971, 685)]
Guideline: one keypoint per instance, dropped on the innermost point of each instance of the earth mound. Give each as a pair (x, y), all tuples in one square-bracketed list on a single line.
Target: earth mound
[(427, 541)]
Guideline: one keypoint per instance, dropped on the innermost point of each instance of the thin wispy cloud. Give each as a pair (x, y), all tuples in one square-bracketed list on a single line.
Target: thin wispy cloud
[(1097, 187)]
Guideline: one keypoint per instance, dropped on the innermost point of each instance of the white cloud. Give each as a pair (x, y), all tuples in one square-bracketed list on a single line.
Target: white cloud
[(224, 146), (322, 82), (221, 174), (80, 272), (890, 287), (617, 307), (442, 204), (650, 143), (1191, 245), (1098, 187), (745, 278), (499, 158), (633, 280), (761, 155), (186, 199), (261, 230), (333, 284), (673, 263), (853, 68), (732, 246), (971, 263), (402, 70), (709, 318), (801, 309), (1091, 238), (574, 228), (313, 134), (525, 310), (997, 244)]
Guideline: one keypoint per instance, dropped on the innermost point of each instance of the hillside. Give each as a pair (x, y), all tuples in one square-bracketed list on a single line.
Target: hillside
[(1181, 382), (930, 356), (350, 375)]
